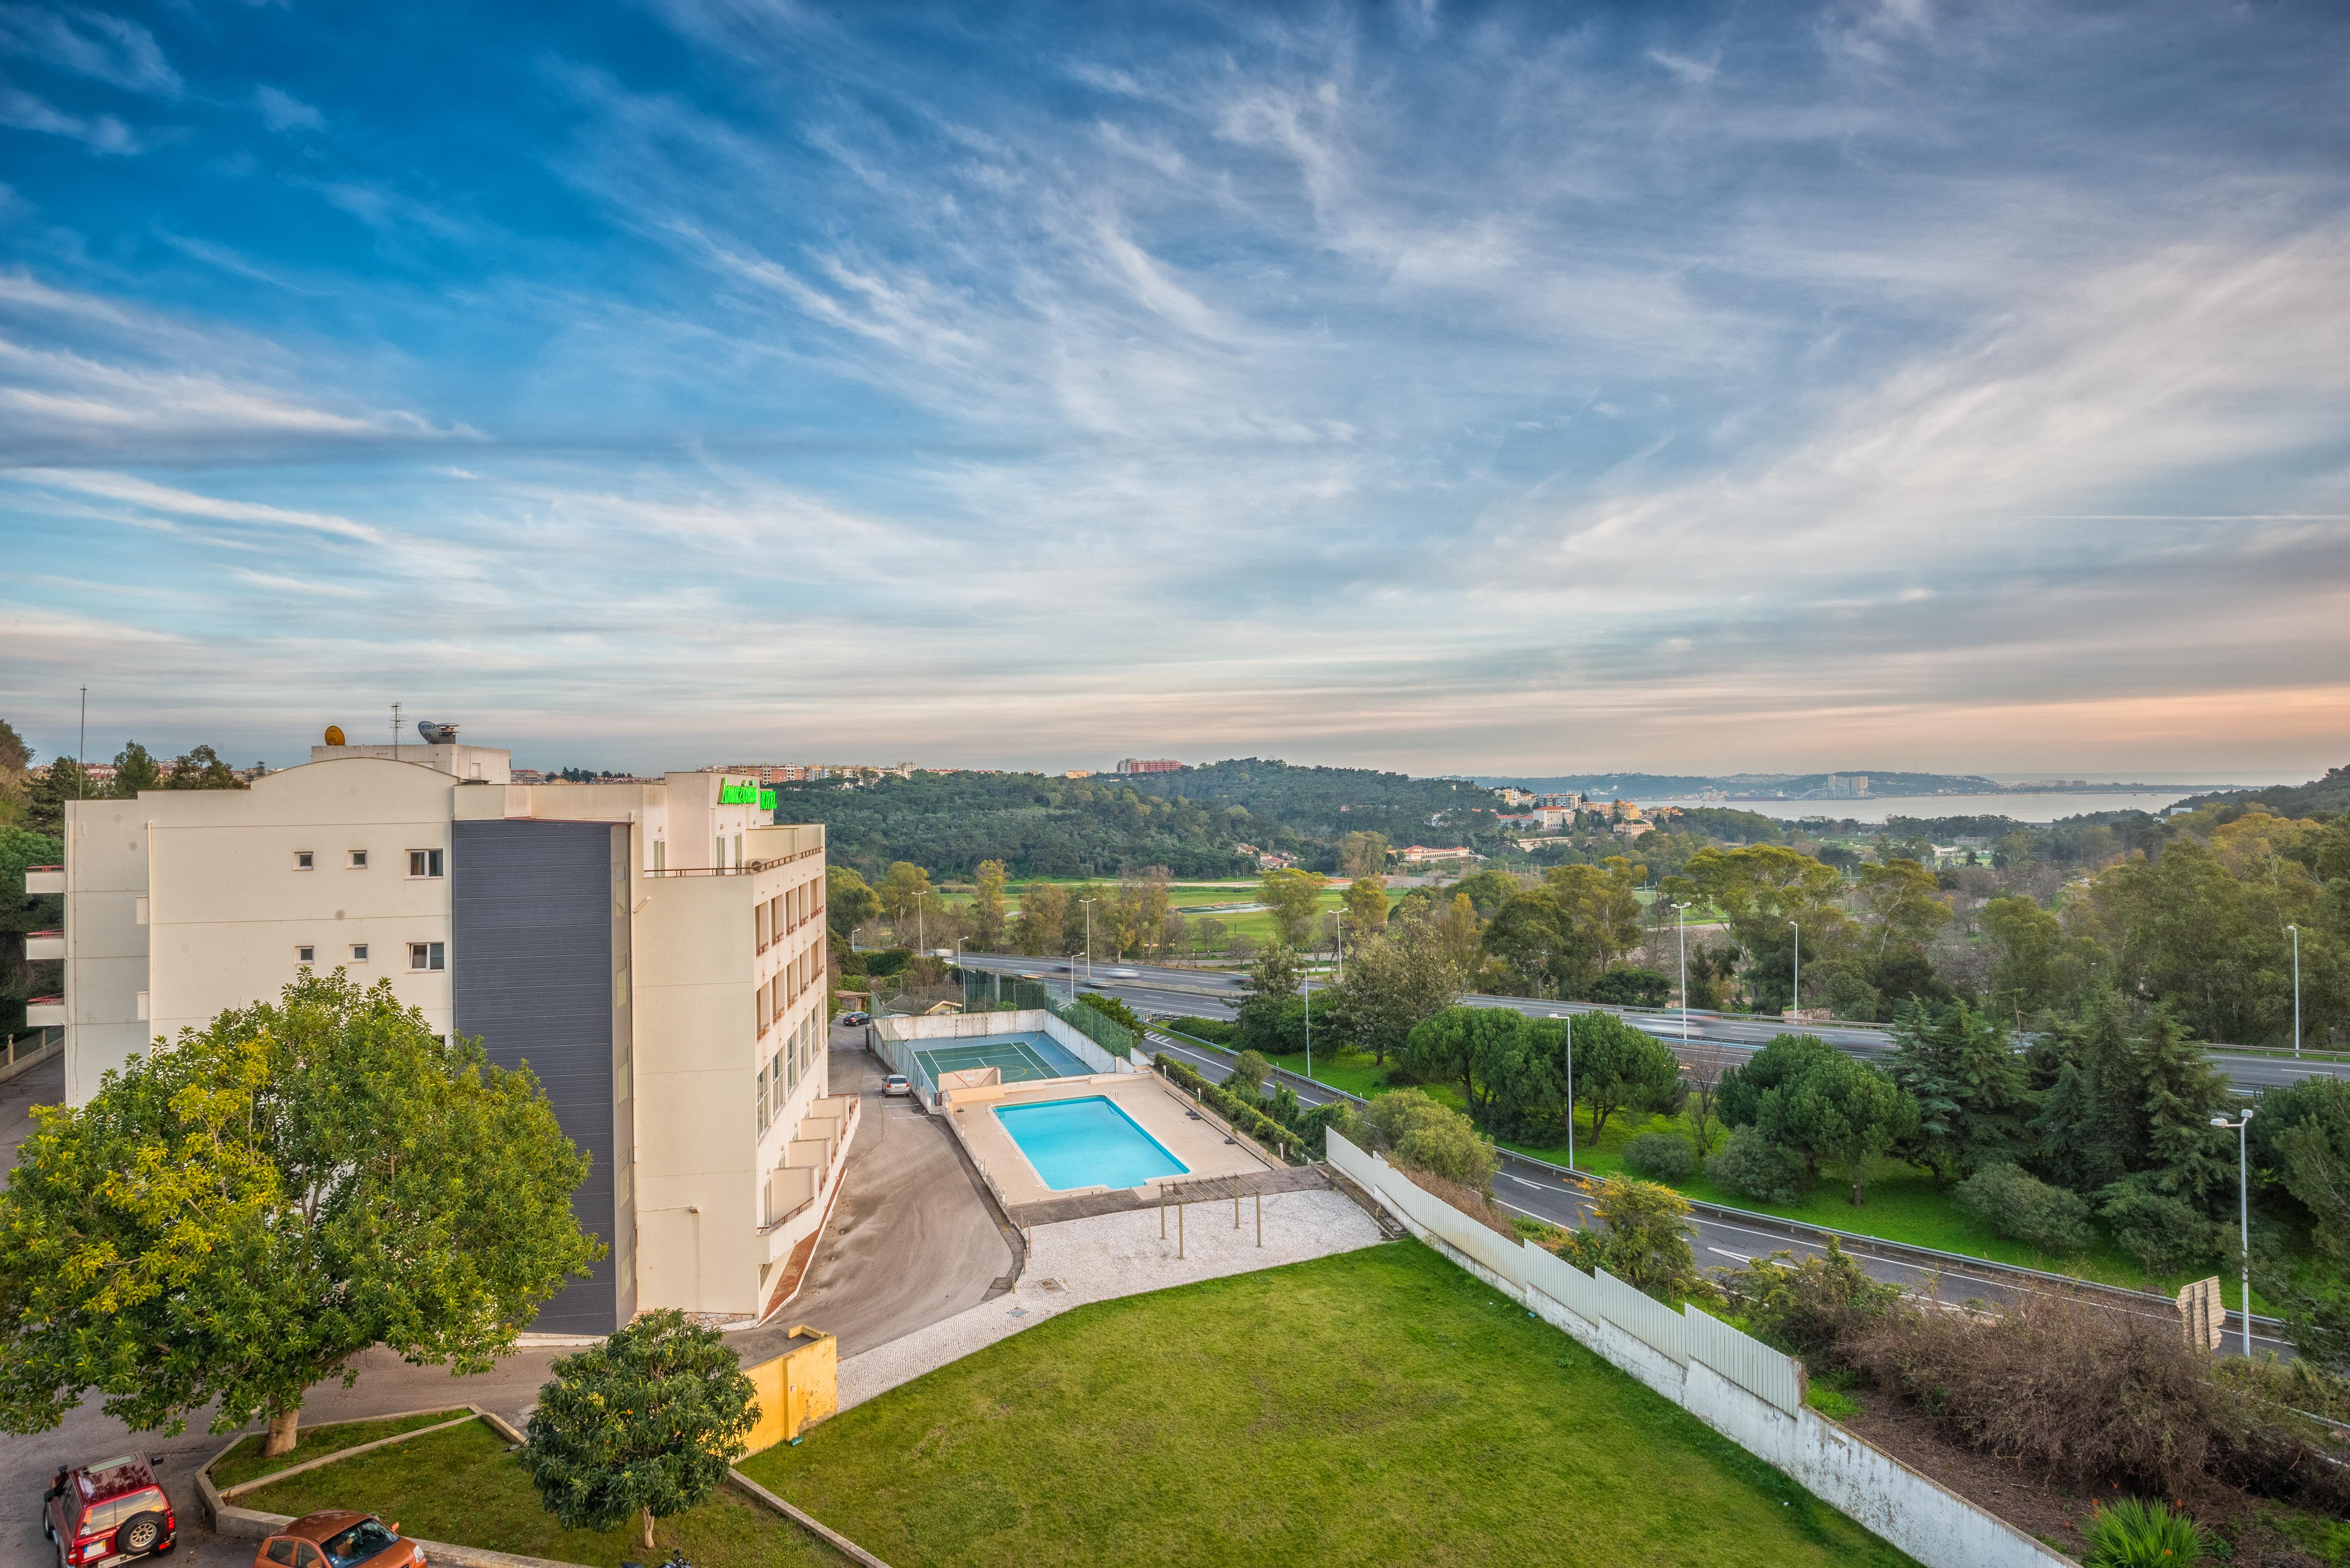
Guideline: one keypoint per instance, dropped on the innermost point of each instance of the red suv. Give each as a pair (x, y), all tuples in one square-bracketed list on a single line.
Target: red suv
[(108, 1512)]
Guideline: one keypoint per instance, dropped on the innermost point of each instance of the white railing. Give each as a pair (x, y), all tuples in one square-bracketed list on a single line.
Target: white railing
[(1732, 1382)]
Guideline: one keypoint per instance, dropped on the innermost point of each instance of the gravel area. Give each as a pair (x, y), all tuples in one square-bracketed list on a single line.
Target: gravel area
[(1111, 1255)]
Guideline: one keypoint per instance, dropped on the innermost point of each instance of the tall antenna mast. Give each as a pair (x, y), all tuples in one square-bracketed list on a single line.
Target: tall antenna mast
[(81, 761), (395, 731)]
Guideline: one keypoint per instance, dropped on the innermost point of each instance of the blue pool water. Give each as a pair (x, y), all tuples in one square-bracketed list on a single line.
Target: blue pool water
[(1087, 1143)]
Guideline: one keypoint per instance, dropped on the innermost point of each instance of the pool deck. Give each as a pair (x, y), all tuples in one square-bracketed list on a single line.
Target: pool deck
[(1200, 1143)]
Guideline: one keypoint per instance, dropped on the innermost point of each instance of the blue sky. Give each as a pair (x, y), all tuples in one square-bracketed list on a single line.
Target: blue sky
[(1451, 388)]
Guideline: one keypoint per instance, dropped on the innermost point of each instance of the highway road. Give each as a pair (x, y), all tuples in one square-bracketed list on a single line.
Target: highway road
[(1213, 993), (1531, 1188)]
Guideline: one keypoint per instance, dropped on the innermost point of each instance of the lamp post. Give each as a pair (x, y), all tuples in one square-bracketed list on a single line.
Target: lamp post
[(1796, 997), (1342, 946), (1682, 917), (1568, 1018), (1306, 980), (1088, 903), (2296, 988), (2243, 1213), (921, 927)]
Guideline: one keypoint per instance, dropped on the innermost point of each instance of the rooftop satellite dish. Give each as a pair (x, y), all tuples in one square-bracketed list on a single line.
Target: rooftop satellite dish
[(334, 734), (437, 735)]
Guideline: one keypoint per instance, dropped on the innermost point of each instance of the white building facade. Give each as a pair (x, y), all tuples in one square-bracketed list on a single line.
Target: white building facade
[(655, 952)]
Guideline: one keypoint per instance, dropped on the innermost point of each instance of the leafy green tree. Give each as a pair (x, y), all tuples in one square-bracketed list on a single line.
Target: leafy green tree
[(1750, 1163), (1838, 1110), (1290, 895), (14, 755), (1600, 904), (1392, 983), (2021, 1205), (1539, 944), (904, 888), (1443, 1049), (1417, 1132), (1642, 1237), (1905, 903), (238, 1216), (1362, 854), (1617, 1067), (646, 1423), (1272, 985), (1760, 889), (1969, 1086), (1367, 909), (2314, 1153), (1624, 986), (849, 903), (1248, 1074), (1115, 1010), (1780, 1062), (200, 767), (62, 781), (135, 768), (2031, 942), (988, 923), (1043, 921)]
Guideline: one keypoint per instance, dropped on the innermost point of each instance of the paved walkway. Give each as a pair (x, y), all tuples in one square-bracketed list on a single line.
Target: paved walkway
[(1112, 1255), (910, 1240)]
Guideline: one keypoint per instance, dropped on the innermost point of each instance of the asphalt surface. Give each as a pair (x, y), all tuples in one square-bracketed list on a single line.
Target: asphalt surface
[(911, 1241), (1531, 1188), (1210, 994)]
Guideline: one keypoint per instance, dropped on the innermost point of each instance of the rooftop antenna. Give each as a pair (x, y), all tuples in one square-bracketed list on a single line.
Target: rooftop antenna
[(81, 763), (395, 731)]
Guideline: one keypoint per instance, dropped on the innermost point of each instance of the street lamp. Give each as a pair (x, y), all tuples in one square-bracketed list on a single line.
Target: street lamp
[(1306, 978), (1342, 946), (1797, 996), (1682, 917), (921, 937), (1088, 903), (2243, 1213), (1568, 1018), (2296, 988)]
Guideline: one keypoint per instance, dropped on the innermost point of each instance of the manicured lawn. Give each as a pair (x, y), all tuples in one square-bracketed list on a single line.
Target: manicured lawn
[(462, 1486), (1380, 1407), (244, 1462)]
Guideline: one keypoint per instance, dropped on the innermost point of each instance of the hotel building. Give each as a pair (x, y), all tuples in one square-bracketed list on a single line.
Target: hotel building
[(655, 951)]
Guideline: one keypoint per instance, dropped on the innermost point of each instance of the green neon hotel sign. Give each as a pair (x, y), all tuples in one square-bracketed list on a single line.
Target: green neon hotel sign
[(746, 793)]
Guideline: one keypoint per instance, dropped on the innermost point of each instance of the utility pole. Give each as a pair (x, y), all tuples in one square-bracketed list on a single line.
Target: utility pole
[(81, 761), (395, 731), (921, 927), (2243, 1213)]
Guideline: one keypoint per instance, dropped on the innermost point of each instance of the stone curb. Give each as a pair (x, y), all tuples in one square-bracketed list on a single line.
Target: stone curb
[(830, 1536)]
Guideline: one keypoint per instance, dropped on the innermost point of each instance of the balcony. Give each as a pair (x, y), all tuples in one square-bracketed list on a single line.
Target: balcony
[(40, 880), (46, 1012), (44, 945)]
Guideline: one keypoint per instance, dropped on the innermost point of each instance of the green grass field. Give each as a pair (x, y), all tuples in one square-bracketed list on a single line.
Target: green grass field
[(1380, 1407), (462, 1486), (244, 1462)]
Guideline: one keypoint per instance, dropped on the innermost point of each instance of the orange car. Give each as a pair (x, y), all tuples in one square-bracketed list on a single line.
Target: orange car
[(339, 1538)]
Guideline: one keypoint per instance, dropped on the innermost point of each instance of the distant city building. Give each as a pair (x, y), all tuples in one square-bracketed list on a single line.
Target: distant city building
[(1078, 773), (1274, 860), (811, 773), (1847, 786), (1423, 852), (1150, 765), (1568, 801), (1634, 829), (1512, 796)]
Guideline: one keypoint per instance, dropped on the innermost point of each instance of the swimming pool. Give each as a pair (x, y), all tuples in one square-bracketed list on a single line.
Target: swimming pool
[(1087, 1143)]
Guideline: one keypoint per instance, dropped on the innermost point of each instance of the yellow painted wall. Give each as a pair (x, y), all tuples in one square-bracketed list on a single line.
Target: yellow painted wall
[(796, 1390)]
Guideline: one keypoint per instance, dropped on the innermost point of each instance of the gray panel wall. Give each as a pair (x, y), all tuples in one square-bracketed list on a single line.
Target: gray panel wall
[(534, 951)]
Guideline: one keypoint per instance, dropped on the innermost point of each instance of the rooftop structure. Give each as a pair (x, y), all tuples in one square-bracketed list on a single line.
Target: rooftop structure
[(1142, 765)]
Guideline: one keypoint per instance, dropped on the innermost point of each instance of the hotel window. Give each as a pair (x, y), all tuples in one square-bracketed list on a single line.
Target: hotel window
[(426, 956), (425, 863), (359, 860), (304, 860), (359, 952), (305, 954), (762, 1099), (660, 855), (738, 852), (775, 1083)]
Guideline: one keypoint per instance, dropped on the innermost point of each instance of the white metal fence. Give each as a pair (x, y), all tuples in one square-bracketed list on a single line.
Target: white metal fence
[(1731, 1381)]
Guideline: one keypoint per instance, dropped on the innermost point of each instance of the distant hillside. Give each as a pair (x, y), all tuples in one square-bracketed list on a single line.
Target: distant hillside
[(1322, 804), (1752, 786), (2328, 794)]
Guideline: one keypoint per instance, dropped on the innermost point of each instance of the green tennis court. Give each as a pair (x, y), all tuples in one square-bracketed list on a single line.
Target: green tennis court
[(1019, 1057)]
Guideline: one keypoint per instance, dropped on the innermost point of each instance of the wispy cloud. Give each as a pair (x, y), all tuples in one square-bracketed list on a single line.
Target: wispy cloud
[(89, 43)]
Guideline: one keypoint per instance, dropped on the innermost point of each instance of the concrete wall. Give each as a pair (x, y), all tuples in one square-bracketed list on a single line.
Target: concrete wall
[(1735, 1384), (534, 908)]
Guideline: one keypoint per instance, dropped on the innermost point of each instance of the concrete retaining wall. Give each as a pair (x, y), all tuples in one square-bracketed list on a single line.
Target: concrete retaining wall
[(1741, 1387)]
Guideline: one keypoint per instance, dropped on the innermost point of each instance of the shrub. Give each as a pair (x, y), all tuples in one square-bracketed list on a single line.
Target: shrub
[(1661, 1156), (1749, 1164), (1214, 1031), (1247, 1076), (1426, 1135), (1809, 1305), (1623, 985), (1116, 1010), (2134, 1534), (1248, 1118), (888, 961), (2027, 1209), (1644, 1240), (2168, 1235)]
